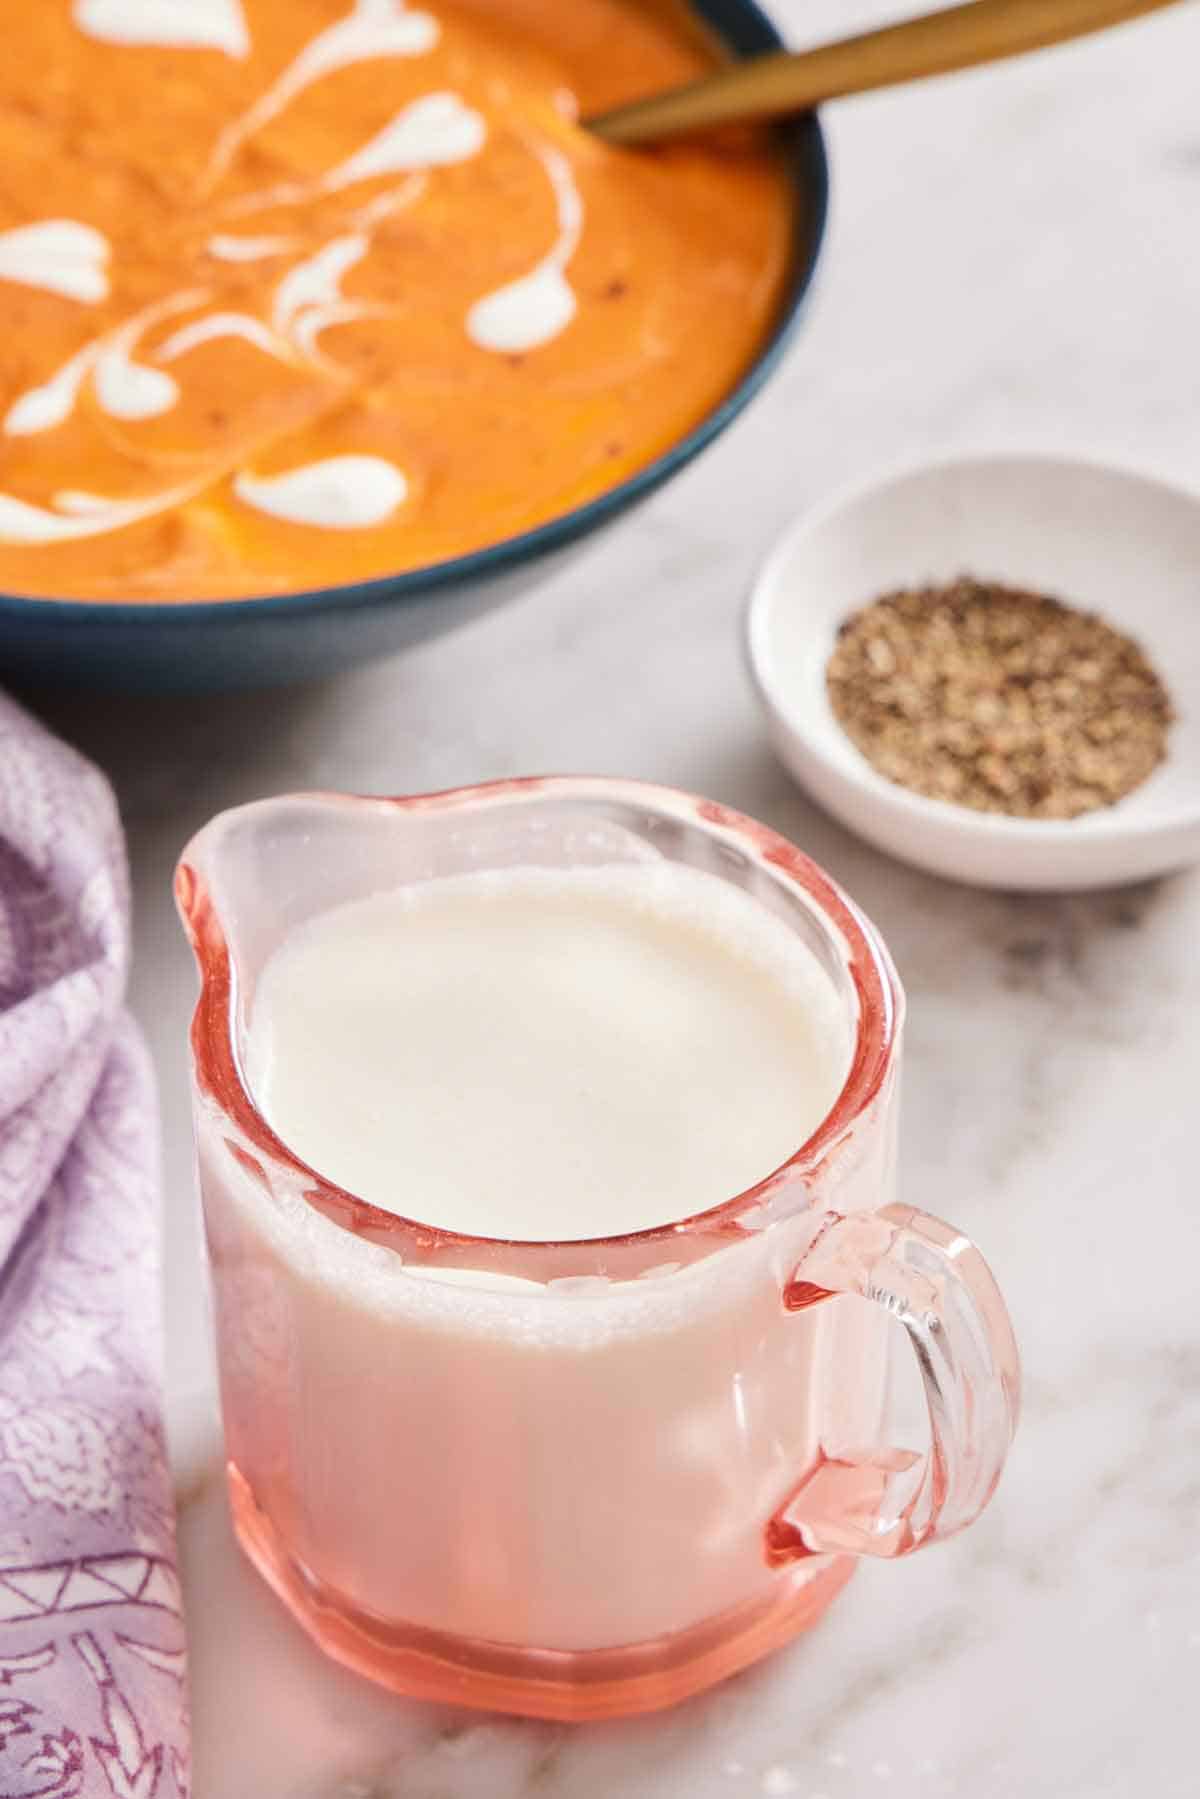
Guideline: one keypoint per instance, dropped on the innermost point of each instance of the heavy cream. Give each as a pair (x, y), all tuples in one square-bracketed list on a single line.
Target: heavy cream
[(526, 1447), (547, 1054)]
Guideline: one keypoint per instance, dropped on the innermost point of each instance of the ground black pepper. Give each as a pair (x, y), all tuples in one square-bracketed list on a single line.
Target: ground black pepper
[(998, 699)]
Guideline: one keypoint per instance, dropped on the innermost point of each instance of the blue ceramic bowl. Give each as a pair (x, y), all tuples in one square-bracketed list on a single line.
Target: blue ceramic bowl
[(206, 645)]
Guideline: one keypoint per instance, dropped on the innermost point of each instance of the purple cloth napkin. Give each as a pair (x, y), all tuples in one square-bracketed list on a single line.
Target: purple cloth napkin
[(92, 1696)]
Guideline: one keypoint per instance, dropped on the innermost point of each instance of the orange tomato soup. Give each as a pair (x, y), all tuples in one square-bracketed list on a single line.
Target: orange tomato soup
[(299, 292)]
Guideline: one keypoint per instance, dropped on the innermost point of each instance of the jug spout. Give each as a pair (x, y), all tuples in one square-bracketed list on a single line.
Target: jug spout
[(256, 873), (252, 875)]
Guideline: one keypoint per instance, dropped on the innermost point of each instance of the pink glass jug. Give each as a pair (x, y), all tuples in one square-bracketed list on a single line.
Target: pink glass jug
[(600, 1493)]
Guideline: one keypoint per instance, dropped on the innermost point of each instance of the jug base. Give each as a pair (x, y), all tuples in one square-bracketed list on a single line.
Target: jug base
[(570, 1686)]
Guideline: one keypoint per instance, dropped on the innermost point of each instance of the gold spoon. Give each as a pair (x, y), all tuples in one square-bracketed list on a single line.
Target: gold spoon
[(765, 87)]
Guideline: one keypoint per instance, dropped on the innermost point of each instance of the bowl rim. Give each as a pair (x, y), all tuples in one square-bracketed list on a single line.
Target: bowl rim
[(1104, 827), (743, 27)]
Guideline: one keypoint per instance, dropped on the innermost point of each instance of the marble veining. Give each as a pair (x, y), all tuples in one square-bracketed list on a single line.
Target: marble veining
[(1011, 261)]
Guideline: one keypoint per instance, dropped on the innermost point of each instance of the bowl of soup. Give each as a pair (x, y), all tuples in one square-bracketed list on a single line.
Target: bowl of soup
[(326, 325)]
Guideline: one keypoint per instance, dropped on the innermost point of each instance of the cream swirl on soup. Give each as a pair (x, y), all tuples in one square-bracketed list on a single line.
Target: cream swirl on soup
[(311, 294)]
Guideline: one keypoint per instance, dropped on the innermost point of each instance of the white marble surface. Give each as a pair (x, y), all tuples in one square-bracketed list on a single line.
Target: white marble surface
[(1012, 259)]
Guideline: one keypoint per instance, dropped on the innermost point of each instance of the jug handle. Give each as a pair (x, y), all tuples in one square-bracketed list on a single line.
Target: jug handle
[(927, 1275)]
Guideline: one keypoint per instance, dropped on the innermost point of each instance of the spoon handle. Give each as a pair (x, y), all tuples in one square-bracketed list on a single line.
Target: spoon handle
[(765, 87)]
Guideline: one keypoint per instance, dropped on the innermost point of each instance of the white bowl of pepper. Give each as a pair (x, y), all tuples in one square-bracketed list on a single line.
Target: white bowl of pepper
[(991, 668)]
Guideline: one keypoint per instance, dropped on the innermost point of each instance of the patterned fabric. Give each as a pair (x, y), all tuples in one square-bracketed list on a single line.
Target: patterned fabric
[(92, 1698)]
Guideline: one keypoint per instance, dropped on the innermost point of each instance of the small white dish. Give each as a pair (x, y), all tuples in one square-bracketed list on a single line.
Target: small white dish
[(1101, 538)]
